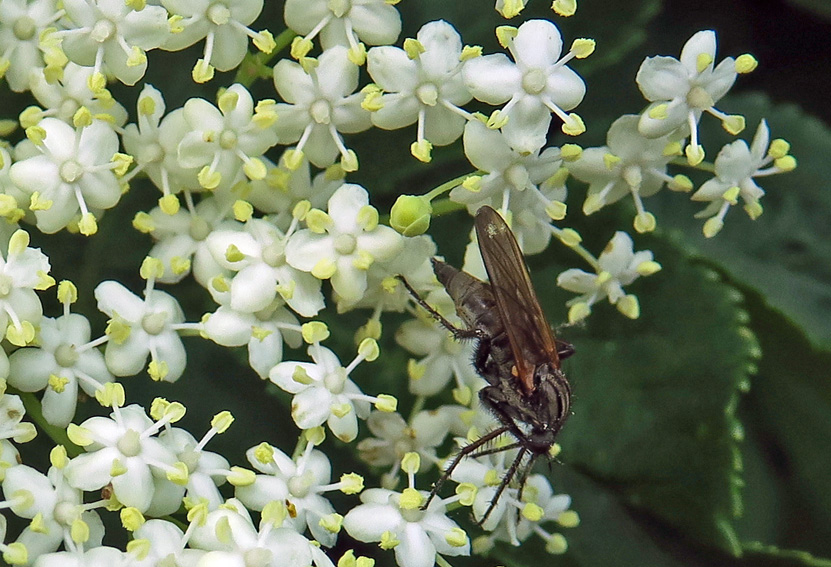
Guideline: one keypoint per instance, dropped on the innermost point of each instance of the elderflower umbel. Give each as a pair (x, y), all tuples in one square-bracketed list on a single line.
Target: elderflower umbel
[(113, 37), (534, 85), (396, 520), (681, 90), (73, 172), (629, 164), (423, 83), (736, 167), (340, 245), (320, 104), (617, 266)]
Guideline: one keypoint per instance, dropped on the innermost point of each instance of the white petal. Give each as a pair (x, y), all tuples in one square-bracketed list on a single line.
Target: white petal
[(493, 79), (537, 45)]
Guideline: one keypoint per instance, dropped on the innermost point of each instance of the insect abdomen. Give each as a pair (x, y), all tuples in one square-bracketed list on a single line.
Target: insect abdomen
[(473, 298)]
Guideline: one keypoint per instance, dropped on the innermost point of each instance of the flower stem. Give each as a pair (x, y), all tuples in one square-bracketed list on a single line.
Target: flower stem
[(56, 434)]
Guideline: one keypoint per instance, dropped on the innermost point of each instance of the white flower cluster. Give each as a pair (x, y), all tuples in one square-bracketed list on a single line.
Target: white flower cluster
[(277, 241)]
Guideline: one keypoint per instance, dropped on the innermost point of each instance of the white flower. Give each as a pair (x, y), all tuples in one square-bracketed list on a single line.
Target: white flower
[(423, 85), (206, 470), (440, 358), (396, 520), (113, 34), (167, 542), (61, 363), (323, 393), (299, 484), (63, 97), (343, 244), (224, 24), (21, 24), (617, 266), (320, 104), (84, 557), (736, 167), (376, 22), (263, 332), (394, 438), (230, 537), (536, 84), (153, 142), (56, 505), (121, 450), (629, 164), (22, 271), (224, 140), (139, 328), (72, 173), (12, 426), (681, 90), (182, 239), (283, 188), (257, 255)]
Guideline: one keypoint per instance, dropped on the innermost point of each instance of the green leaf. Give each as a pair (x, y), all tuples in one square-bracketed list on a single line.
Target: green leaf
[(654, 399), (780, 255)]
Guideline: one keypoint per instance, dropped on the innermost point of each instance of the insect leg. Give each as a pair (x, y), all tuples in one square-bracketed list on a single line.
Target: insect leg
[(503, 484), (458, 332), (463, 452), (564, 348)]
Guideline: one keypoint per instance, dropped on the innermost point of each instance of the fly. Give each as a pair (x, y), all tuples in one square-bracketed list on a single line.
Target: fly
[(517, 353)]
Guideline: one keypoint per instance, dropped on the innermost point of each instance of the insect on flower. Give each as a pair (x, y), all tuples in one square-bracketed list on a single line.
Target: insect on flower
[(517, 352)]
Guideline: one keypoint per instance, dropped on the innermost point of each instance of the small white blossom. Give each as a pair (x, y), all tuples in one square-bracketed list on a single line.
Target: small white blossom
[(153, 141), (736, 167), (22, 271), (320, 105), (377, 22), (424, 85), (113, 37), (55, 504), (629, 164), (85, 557), (206, 470), (63, 361), (323, 392), (681, 90), (342, 245), (63, 97), (167, 542), (224, 140), (12, 425), (121, 450), (73, 173), (617, 266), (396, 520), (263, 331), (300, 484), (140, 328), (536, 84), (224, 27), (258, 256), (21, 25), (238, 540)]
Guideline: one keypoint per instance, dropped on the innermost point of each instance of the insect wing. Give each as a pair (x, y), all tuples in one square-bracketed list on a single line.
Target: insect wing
[(532, 341)]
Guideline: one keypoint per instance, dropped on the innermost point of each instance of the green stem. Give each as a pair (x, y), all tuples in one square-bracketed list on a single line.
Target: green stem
[(56, 434), (707, 166), (448, 185), (256, 65)]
